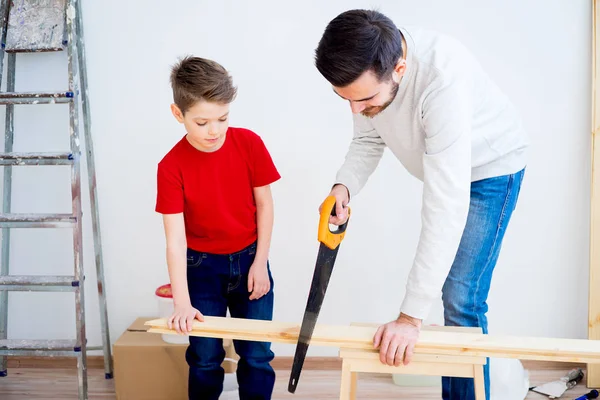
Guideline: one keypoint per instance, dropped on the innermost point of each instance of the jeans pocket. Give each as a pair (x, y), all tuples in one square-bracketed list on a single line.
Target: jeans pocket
[(194, 258)]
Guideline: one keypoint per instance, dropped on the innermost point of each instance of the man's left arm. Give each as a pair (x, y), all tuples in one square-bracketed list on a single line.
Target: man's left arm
[(447, 119)]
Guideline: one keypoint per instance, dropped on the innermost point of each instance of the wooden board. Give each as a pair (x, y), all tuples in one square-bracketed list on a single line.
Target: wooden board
[(430, 341), (593, 376), (373, 355)]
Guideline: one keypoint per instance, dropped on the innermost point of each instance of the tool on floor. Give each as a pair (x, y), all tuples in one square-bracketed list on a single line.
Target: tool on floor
[(31, 26), (328, 250), (593, 394), (557, 388)]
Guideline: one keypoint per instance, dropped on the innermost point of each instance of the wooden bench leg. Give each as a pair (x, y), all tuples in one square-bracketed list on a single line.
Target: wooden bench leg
[(353, 378), (479, 382), (348, 386)]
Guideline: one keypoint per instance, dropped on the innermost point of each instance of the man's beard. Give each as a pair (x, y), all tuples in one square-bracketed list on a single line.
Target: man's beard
[(373, 111)]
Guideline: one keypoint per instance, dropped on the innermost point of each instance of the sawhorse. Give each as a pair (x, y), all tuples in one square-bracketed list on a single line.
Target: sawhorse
[(355, 361)]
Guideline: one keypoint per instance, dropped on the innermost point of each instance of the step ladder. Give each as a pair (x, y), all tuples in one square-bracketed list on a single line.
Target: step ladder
[(41, 26)]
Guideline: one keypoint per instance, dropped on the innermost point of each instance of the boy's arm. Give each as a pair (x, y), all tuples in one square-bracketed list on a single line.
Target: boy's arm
[(264, 220), (184, 314), (176, 257), (258, 281), (170, 203)]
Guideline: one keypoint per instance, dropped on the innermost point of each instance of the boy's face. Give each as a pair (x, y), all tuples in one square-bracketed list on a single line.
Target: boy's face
[(206, 124)]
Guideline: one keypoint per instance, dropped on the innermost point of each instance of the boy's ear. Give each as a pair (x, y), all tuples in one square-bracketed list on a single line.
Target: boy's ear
[(177, 113)]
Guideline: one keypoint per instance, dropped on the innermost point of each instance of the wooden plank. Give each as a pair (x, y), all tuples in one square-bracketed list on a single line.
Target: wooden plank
[(347, 386), (479, 382), (414, 368), (471, 329), (371, 355), (430, 342), (593, 376)]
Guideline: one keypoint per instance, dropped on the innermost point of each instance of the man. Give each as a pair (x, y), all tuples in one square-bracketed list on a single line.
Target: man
[(424, 96)]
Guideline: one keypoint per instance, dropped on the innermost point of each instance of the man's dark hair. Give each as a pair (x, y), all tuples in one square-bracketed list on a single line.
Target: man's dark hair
[(357, 41)]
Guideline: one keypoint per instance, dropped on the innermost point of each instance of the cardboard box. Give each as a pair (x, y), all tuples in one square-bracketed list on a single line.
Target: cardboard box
[(148, 368)]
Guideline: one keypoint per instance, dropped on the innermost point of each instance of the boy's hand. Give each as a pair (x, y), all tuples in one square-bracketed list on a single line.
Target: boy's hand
[(183, 318), (258, 280)]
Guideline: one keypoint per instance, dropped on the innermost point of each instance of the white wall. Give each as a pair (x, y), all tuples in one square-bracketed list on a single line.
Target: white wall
[(537, 51)]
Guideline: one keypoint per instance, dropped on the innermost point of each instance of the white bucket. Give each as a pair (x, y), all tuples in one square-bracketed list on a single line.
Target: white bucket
[(165, 310), (230, 387), (508, 379)]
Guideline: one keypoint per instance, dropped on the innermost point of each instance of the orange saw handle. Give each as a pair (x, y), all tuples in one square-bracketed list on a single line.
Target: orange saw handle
[(326, 236)]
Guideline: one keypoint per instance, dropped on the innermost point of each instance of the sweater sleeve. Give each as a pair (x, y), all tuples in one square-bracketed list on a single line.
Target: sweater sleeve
[(447, 118), (363, 156)]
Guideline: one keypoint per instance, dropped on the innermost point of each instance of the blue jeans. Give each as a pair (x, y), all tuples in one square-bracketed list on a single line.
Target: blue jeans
[(466, 288), (215, 283)]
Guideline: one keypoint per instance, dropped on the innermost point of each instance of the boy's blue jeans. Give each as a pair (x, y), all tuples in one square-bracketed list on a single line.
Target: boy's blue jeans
[(466, 288), (215, 283)]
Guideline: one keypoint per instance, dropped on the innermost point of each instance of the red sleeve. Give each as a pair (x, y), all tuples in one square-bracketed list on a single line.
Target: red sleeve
[(264, 171), (169, 196)]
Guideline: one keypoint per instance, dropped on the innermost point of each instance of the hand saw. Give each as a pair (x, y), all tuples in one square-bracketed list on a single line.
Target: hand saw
[(328, 249)]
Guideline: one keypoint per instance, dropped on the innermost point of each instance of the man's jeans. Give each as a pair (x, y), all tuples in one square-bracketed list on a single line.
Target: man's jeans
[(215, 283), (466, 289)]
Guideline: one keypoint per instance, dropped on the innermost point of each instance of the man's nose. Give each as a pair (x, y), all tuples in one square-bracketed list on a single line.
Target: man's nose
[(357, 107)]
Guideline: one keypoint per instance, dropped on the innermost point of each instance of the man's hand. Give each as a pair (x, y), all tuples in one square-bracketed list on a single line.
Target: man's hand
[(340, 192), (258, 280), (183, 317), (396, 340)]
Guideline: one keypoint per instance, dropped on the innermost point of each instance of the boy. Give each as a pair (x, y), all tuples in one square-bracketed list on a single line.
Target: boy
[(214, 194)]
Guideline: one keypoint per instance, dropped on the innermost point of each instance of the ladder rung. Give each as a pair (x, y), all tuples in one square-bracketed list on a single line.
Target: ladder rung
[(36, 158), (37, 220), (38, 283), (18, 347), (20, 344), (35, 97)]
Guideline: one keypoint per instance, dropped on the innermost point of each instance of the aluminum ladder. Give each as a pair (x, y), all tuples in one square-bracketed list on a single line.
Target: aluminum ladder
[(39, 26)]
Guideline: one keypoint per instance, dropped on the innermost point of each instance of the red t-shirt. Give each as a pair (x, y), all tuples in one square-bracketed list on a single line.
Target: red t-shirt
[(214, 190)]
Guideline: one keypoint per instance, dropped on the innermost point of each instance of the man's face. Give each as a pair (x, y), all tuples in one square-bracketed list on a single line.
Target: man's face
[(368, 96)]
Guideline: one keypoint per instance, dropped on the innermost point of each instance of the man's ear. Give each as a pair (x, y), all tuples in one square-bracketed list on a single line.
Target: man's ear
[(177, 113), (399, 70)]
